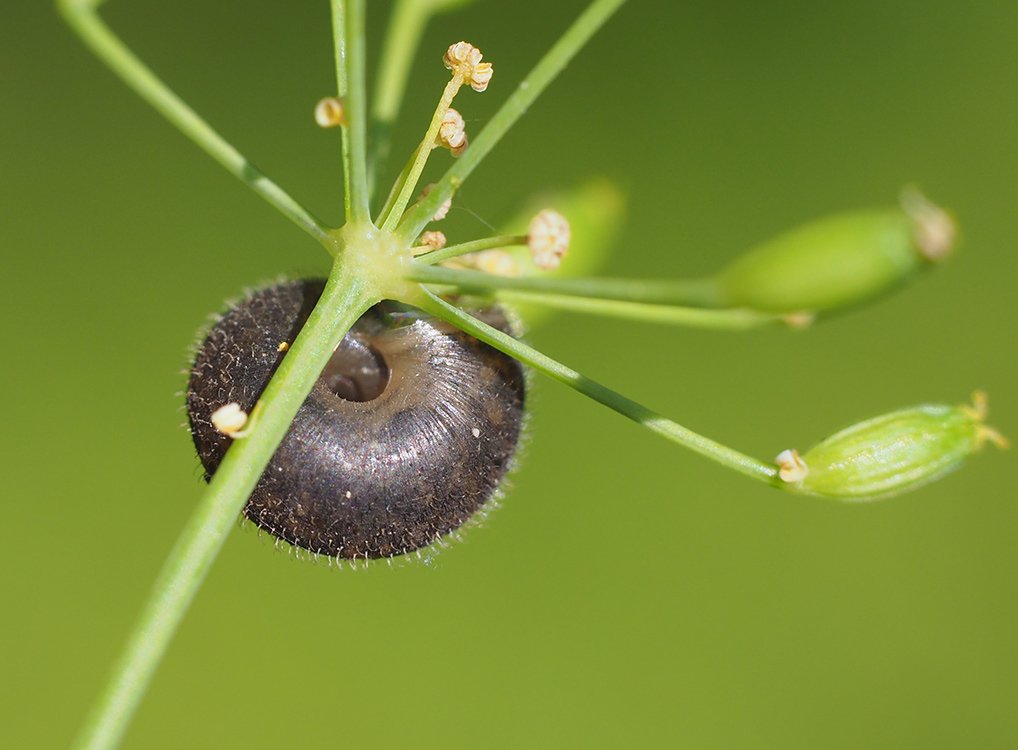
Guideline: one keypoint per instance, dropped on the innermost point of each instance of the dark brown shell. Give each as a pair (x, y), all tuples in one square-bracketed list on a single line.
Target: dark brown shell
[(407, 433)]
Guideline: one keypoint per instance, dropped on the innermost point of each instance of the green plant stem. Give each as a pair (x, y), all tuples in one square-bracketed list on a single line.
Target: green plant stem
[(687, 293), (348, 41), (82, 16), (654, 422), (390, 199), (422, 153), (406, 26), (692, 317), (582, 29), (342, 302), (338, 8), (464, 248)]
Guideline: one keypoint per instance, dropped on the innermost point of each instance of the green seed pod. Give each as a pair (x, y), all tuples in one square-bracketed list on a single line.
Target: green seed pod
[(890, 454), (839, 261)]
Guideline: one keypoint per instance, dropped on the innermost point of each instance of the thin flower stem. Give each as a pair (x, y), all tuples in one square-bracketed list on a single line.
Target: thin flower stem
[(342, 302), (691, 317), (348, 40), (686, 293), (342, 87), (390, 199), (407, 22), (423, 152), (454, 251), (83, 17), (654, 422), (529, 89)]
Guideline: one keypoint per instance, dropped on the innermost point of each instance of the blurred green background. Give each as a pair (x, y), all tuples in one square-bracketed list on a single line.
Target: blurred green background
[(627, 593)]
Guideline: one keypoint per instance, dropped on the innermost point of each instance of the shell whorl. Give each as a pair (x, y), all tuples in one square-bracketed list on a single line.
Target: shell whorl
[(406, 434)]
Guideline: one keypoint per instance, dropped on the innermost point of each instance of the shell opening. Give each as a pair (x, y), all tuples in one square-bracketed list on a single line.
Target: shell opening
[(356, 371)]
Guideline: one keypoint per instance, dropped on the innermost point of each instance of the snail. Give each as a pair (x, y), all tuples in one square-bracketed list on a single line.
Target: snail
[(407, 433)]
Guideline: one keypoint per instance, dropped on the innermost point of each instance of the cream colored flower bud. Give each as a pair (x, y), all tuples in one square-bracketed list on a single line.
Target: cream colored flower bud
[(452, 134), (458, 151), (464, 59), (443, 210), (433, 240), (481, 76), (548, 239), (229, 419), (329, 112), (791, 467), (461, 53)]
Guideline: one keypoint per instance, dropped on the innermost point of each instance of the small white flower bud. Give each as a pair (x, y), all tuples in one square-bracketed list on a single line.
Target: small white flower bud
[(481, 76), (433, 240), (452, 134), (548, 239), (458, 151), (464, 59), (329, 112), (229, 419), (791, 467)]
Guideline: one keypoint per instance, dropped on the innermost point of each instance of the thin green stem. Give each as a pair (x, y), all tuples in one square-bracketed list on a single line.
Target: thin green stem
[(407, 22), (342, 302), (530, 88), (406, 26), (422, 153), (454, 251), (390, 199), (342, 88), (692, 317), (654, 422), (687, 293), (349, 42), (82, 16)]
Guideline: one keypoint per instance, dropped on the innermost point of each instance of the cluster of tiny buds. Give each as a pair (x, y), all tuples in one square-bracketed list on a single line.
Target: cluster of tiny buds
[(464, 60), (229, 419), (329, 112), (452, 134), (548, 239)]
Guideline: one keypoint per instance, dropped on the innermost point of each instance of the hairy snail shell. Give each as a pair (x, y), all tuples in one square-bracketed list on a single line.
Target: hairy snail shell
[(407, 433)]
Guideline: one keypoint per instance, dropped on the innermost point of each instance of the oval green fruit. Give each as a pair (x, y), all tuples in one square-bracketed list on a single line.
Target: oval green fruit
[(894, 453), (838, 261)]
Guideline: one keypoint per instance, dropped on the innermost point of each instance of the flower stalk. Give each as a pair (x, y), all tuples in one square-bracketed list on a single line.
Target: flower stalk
[(344, 300)]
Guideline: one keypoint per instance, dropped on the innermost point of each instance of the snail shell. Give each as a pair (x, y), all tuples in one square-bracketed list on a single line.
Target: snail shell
[(407, 433)]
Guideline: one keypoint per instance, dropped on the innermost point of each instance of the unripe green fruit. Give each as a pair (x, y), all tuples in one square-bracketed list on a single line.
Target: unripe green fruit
[(893, 453), (838, 261)]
